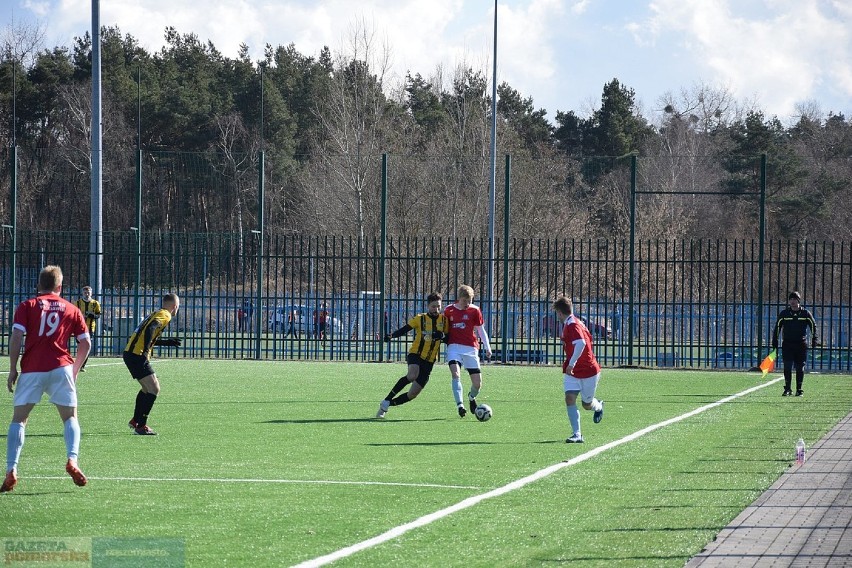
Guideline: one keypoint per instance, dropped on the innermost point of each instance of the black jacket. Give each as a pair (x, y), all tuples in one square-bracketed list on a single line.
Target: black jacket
[(794, 326)]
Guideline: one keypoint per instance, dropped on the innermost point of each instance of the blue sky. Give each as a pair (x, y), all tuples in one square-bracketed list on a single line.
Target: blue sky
[(775, 55)]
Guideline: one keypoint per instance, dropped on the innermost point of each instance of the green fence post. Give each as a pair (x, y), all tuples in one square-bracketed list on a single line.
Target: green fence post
[(631, 285), (760, 257), (504, 328), (383, 256)]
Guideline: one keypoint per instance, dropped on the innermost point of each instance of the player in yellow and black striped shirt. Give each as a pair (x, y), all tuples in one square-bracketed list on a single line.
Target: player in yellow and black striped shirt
[(137, 355), (91, 310), (430, 329)]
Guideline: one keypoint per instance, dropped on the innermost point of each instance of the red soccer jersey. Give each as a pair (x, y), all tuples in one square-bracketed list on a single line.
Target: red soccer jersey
[(587, 365), (462, 323), (48, 322)]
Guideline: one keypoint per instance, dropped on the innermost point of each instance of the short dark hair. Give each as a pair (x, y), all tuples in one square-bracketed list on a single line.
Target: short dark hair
[(795, 295), (564, 305), (434, 296)]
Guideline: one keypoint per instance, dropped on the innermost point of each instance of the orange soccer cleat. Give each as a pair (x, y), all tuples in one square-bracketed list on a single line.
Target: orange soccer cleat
[(75, 473)]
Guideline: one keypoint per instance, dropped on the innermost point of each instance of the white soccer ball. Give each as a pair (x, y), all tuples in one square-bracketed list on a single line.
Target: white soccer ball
[(483, 413)]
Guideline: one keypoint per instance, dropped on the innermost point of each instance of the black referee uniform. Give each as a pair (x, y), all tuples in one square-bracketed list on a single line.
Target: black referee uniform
[(794, 323)]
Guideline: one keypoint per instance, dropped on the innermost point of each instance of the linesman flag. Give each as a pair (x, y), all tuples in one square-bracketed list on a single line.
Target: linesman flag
[(769, 363)]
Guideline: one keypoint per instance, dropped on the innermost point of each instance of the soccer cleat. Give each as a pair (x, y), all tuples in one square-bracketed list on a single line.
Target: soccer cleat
[(800, 392), (473, 404), (132, 424), (383, 409), (75, 473), (462, 411), (574, 439), (787, 392), (82, 369), (10, 482), (598, 416), (144, 431)]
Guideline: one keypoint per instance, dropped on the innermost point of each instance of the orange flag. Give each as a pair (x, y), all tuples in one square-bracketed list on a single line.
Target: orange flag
[(769, 363)]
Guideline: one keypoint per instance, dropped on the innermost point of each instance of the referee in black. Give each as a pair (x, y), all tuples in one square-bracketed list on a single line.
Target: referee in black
[(793, 324)]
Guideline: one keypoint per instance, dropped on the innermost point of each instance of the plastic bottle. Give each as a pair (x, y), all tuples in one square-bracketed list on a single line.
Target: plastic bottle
[(800, 452)]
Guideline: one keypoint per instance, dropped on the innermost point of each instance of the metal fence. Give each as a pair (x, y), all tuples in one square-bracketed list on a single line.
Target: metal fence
[(696, 303)]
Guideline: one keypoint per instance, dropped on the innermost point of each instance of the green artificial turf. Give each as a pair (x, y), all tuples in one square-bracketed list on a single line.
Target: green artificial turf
[(272, 464)]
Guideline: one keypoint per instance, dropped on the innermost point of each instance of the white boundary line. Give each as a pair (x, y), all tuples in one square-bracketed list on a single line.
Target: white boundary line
[(229, 480), (471, 501)]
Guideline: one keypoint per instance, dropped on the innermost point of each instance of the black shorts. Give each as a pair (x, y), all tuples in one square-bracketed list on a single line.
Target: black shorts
[(138, 365), (425, 368)]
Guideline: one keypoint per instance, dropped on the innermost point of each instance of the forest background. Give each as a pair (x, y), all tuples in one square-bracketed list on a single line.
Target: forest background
[(326, 120)]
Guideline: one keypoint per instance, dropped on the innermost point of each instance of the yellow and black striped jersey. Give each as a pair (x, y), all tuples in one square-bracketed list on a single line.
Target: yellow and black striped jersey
[(147, 332), (423, 345), (91, 312)]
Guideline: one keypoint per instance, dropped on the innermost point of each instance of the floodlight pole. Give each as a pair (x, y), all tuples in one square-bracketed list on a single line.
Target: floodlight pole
[(492, 186), (96, 222)]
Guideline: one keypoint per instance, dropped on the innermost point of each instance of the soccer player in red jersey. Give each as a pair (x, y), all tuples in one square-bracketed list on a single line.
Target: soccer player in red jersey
[(581, 371), (48, 322), (466, 323)]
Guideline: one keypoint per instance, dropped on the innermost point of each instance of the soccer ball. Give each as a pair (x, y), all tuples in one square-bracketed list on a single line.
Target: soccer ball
[(483, 413)]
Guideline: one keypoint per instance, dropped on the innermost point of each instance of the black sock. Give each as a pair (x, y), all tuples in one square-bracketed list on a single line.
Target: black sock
[(400, 384), (401, 399), (140, 404), (147, 404)]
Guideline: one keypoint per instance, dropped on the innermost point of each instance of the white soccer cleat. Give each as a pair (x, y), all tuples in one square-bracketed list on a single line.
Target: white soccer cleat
[(383, 409)]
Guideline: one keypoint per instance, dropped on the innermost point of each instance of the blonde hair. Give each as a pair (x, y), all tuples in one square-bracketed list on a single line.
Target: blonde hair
[(465, 291), (50, 278)]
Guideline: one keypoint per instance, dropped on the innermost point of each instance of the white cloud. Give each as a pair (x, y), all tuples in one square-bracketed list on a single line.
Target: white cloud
[(783, 53), (39, 8), (560, 52)]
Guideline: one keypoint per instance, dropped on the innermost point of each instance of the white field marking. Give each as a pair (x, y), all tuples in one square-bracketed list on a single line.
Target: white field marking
[(229, 480), (541, 474)]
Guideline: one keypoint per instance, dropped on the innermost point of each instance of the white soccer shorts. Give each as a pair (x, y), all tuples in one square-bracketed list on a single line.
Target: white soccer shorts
[(58, 384), (586, 387), (466, 354)]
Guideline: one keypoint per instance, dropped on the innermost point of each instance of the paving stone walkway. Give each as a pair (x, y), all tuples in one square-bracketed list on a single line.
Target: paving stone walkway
[(804, 519)]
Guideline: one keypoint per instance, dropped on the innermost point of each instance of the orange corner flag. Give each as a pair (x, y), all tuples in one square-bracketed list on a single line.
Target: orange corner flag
[(769, 363)]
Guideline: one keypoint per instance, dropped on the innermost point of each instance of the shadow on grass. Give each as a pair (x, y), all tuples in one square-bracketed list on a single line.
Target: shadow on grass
[(335, 420), (318, 420), (603, 560), (429, 444)]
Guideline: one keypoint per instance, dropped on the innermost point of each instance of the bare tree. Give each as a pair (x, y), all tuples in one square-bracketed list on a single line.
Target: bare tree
[(353, 117), (21, 42)]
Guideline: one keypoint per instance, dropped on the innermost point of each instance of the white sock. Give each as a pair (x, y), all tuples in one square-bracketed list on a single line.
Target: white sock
[(14, 443), (457, 390), (596, 405), (72, 437), (574, 418)]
